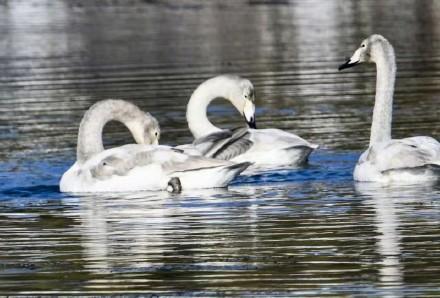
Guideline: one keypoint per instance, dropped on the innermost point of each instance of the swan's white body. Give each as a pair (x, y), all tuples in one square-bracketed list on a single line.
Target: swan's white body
[(261, 147), (137, 166), (409, 160), (387, 160)]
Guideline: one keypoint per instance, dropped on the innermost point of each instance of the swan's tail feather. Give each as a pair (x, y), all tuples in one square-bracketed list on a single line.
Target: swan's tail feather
[(301, 151), (239, 167), (211, 177)]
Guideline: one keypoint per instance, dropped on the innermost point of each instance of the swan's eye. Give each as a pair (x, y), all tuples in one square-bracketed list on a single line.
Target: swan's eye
[(363, 45), (156, 133)]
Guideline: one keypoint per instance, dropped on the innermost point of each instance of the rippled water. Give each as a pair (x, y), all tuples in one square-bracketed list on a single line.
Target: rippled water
[(304, 232)]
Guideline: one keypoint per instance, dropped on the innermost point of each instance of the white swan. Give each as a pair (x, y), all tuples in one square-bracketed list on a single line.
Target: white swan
[(388, 160), (137, 166), (262, 147)]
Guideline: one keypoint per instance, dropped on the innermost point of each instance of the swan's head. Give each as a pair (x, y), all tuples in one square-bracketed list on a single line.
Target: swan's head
[(151, 130), (370, 51), (243, 98), (145, 129)]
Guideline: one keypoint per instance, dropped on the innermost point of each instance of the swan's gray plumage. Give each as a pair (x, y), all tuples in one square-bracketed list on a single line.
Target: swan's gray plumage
[(144, 127), (225, 144), (210, 142), (237, 144), (405, 153), (302, 151), (429, 170), (121, 164)]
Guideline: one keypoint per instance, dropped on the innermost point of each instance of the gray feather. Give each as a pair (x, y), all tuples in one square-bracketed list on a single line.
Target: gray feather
[(224, 144), (229, 148), (428, 170), (302, 151), (120, 165), (210, 142)]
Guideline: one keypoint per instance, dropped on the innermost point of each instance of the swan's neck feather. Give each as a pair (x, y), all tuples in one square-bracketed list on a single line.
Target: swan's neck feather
[(94, 120), (198, 122), (383, 106)]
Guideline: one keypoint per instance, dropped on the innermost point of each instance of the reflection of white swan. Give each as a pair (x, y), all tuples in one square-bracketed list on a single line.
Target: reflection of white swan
[(262, 147), (386, 160), (130, 232), (137, 166), (389, 238), (107, 221)]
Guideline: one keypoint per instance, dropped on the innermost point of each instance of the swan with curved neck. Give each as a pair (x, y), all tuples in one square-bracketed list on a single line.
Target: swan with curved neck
[(238, 91), (141, 166), (390, 160), (144, 127), (263, 147)]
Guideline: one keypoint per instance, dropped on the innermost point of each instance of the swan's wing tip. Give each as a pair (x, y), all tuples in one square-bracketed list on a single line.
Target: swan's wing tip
[(241, 165)]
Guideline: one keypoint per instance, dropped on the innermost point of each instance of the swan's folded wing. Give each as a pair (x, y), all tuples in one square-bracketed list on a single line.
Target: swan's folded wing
[(403, 154), (180, 162), (209, 143), (237, 144), (121, 161)]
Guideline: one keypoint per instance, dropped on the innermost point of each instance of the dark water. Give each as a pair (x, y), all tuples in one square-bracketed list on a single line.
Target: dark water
[(307, 232)]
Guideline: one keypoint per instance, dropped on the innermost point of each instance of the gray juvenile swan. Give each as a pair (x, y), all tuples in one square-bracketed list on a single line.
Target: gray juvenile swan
[(262, 147), (388, 160), (142, 166)]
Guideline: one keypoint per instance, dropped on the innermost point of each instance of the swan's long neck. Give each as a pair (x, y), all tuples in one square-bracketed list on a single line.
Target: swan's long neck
[(94, 120), (383, 106), (198, 122)]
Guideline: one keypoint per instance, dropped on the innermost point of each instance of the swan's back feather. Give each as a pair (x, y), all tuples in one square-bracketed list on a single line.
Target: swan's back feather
[(404, 153)]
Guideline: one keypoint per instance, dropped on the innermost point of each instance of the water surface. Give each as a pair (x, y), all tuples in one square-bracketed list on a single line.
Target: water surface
[(304, 232)]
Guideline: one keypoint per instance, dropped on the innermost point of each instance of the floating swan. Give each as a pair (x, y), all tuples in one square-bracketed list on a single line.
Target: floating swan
[(262, 147), (387, 160), (137, 166)]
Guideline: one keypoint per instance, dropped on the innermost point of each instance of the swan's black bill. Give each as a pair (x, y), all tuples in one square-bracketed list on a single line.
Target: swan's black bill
[(251, 123), (347, 64)]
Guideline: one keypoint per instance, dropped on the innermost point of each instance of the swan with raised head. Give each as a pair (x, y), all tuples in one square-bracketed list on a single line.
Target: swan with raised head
[(141, 166), (387, 160), (261, 147)]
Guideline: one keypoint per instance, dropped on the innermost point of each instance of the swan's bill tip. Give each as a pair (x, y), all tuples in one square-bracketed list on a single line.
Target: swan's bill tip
[(251, 123), (347, 64)]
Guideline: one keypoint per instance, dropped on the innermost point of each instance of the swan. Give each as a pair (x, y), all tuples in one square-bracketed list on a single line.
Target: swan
[(387, 160), (261, 147), (142, 166)]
